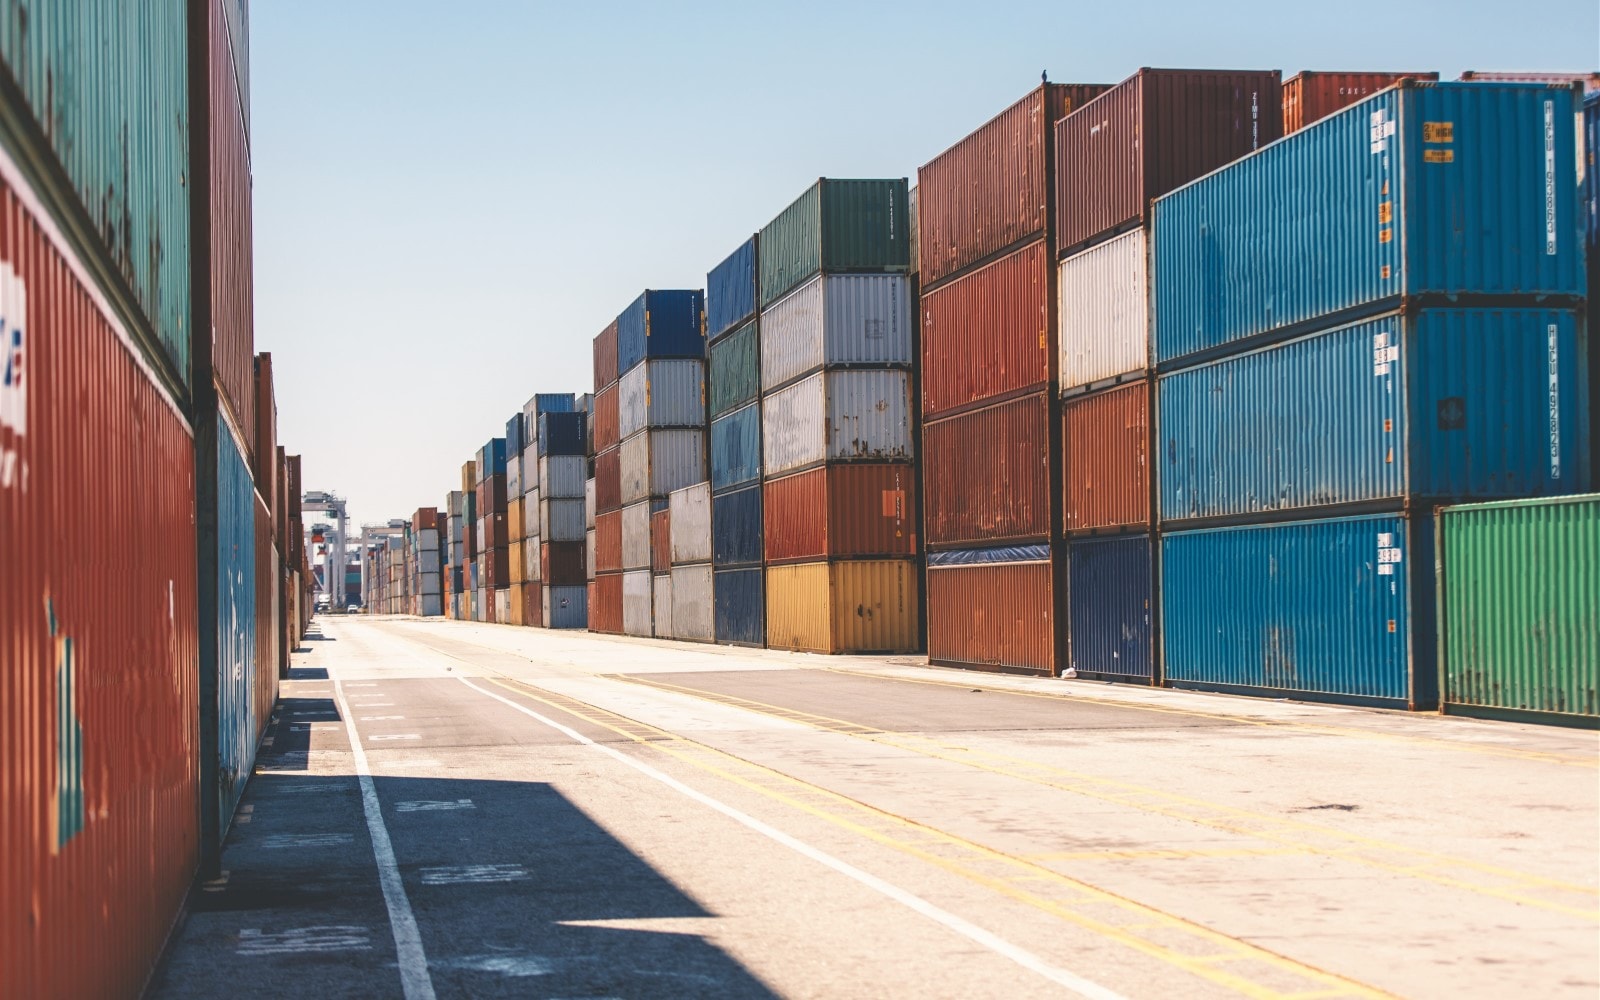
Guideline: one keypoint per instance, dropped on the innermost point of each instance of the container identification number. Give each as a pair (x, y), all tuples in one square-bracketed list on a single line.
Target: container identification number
[(1388, 553)]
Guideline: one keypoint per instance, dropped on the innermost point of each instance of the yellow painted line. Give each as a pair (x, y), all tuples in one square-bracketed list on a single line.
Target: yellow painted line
[(1171, 854), (1398, 859), (1214, 956)]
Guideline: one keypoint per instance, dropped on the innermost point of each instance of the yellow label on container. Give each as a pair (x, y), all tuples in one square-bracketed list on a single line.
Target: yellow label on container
[(1385, 212), (1438, 156), (1438, 131), (1384, 235)]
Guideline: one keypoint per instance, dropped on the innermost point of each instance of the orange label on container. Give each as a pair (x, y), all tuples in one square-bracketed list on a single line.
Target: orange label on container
[(1438, 156), (1388, 425), (1384, 235), (1438, 131), (893, 502), (1386, 272), (1391, 624), (1385, 212)]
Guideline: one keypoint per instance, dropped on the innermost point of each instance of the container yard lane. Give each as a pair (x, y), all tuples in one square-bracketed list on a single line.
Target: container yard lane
[(455, 809)]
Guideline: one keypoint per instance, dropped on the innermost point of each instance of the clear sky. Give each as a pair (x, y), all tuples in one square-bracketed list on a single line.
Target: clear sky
[(451, 200)]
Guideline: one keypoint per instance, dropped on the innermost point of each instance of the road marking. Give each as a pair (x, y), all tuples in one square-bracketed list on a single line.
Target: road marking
[(473, 874), (301, 940), (381, 718), (308, 789), (413, 960), (353, 684), (395, 736), (427, 805), (518, 966), (285, 841), (972, 932)]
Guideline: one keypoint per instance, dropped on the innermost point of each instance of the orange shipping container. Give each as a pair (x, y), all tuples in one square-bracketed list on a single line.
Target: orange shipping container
[(605, 601), (608, 544), (661, 541), (605, 357), (987, 475), (1310, 96), (993, 616), (1107, 463), (841, 511), (608, 480), (607, 428), (532, 605)]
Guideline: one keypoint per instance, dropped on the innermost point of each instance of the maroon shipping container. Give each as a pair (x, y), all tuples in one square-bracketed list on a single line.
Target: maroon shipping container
[(607, 429), (987, 475), (532, 604), (605, 602), (988, 334), (840, 512), (497, 567), (992, 189), (607, 542), (1107, 441), (608, 480), (1156, 131), (993, 616), (496, 531), (562, 564), (661, 541), (99, 642), (266, 432), (232, 333), (1311, 96), (424, 518), (605, 357)]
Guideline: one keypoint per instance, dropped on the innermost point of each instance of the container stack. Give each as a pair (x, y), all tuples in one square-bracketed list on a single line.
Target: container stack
[(454, 541), (561, 439), (492, 603), (1381, 311), (838, 432), (689, 557), (733, 328), (605, 593), (1310, 96), (472, 551), (522, 578), (1591, 256)]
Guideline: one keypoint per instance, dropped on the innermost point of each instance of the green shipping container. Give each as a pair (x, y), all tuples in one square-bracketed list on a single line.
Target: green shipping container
[(837, 225), (106, 83), (735, 369), (1519, 608)]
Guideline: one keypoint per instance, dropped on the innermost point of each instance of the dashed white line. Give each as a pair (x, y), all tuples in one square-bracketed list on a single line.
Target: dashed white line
[(395, 736)]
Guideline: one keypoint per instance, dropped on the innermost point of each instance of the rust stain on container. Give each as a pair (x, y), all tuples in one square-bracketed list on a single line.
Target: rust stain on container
[(841, 511), (993, 616), (605, 602), (1311, 96), (661, 541), (608, 480), (608, 544), (607, 422), (986, 475), (1107, 463), (605, 356), (232, 330), (987, 334)]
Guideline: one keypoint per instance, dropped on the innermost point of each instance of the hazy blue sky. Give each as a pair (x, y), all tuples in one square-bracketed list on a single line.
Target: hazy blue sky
[(451, 200)]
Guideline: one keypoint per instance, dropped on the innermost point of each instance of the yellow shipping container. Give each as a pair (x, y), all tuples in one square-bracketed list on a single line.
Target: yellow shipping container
[(516, 522), (469, 477), (518, 596), (871, 606), (517, 563)]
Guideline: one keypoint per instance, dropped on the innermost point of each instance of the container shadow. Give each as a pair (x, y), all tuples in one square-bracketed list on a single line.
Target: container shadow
[(307, 673), (290, 735)]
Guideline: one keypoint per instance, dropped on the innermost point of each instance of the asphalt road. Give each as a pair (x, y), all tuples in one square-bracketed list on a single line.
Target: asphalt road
[(447, 809)]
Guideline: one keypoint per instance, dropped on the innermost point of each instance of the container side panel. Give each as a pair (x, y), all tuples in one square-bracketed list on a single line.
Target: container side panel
[(736, 527), (735, 376), (993, 615), (986, 334), (731, 290), (693, 603), (741, 606), (736, 448), (986, 475), (1105, 312), (1107, 461), (800, 608), (1109, 589), (236, 624)]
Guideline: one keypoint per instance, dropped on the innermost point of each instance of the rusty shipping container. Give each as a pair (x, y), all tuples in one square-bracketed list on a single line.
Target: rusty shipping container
[(266, 443), (988, 335), (1106, 437), (605, 603), (607, 418), (608, 480), (265, 696), (1155, 131), (562, 564), (841, 512), (991, 191), (608, 542), (661, 541), (987, 475), (99, 837), (993, 615), (1310, 96), (605, 357)]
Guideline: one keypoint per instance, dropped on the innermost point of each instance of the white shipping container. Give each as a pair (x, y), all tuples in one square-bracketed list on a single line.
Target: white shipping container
[(836, 319), (1104, 298), (662, 587), (656, 462), (432, 604), (693, 604), (690, 524), (426, 540), (667, 392), (636, 536), (561, 477), (429, 583), (530, 469), (530, 555), (502, 605), (588, 554), (588, 503), (566, 607), (514, 485), (428, 562), (561, 520), (637, 594), (837, 416)]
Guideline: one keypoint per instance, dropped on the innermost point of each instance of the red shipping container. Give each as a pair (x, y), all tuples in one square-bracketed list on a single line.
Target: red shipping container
[(497, 568), (607, 429), (840, 512), (266, 442), (607, 542), (1107, 463), (605, 602), (661, 541), (987, 475), (989, 334), (532, 605), (605, 357), (992, 189), (1311, 96), (993, 616), (424, 518), (608, 480), (1156, 131), (562, 564), (264, 696), (495, 534), (232, 304)]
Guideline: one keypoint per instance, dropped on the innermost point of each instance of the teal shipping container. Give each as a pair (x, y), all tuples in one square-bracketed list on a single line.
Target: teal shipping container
[(735, 369), (836, 226), (236, 625)]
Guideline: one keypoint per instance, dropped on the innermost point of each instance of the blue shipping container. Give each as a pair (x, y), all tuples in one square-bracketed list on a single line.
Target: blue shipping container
[(562, 433), (236, 623), (1445, 404), (514, 442), (1426, 189), (661, 324), (736, 528), (731, 290), (1111, 605), (740, 616), (1591, 179), (736, 447), (554, 402), (566, 607), (492, 459), (1338, 609)]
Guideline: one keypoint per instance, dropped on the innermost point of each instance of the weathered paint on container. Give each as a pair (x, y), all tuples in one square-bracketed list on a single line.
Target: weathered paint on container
[(870, 606), (662, 393), (656, 462), (836, 320), (1106, 439), (638, 601), (1112, 616), (236, 625), (1338, 609), (514, 486), (1104, 295), (636, 549), (607, 418), (736, 448), (608, 480), (992, 190), (838, 416), (1310, 96), (226, 204), (1589, 81), (986, 335), (589, 508), (916, 246), (565, 607), (993, 616), (1519, 591), (731, 290), (1153, 132), (517, 603), (840, 512), (1447, 192), (530, 558), (736, 527), (517, 554), (608, 542), (1441, 403), (515, 435), (735, 375), (661, 594), (836, 226), (986, 475), (605, 604), (563, 434), (605, 357), (741, 606), (660, 540), (691, 526), (517, 523), (560, 564), (561, 477), (265, 446), (661, 323), (591, 563), (693, 603), (561, 520)]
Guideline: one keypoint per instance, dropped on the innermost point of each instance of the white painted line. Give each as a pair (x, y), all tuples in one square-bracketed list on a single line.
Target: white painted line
[(1086, 988), (284, 841), (395, 736), (380, 718), (413, 961), (353, 684), (473, 874), (300, 940), (428, 805)]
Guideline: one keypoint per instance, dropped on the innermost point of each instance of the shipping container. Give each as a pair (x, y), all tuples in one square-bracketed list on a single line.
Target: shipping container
[(661, 324), (605, 604), (736, 527), (835, 226), (661, 595), (986, 475), (502, 606), (991, 191), (561, 520), (1435, 192), (690, 528), (870, 606), (235, 624), (608, 480), (836, 321), (1589, 81), (607, 418), (1111, 618), (1440, 403), (638, 593), (1153, 132), (665, 393), (589, 509), (561, 477), (916, 246), (563, 434), (837, 416), (693, 603), (741, 606), (591, 563), (491, 459), (1321, 610), (841, 512), (515, 441), (266, 444), (605, 357), (986, 335), (1518, 586), (1312, 96), (661, 540), (531, 562), (736, 448), (565, 607), (731, 290), (656, 462), (517, 521), (1106, 440), (636, 549), (224, 209), (517, 563), (993, 610), (1104, 295), (517, 602), (735, 369)]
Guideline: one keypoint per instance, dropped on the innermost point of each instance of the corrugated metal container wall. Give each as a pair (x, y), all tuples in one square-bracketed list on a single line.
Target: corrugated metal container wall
[(232, 330), (991, 190), (1519, 586), (517, 603), (589, 509), (870, 606), (843, 320), (986, 475), (266, 444), (638, 593), (731, 290), (608, 541), (605, 604), (660, 540), (691, 526), (1112, 606), (916, 245), (561, 520), (1105, 313), (837, 416), (693, 603), (607, 418), (656, 462), (561, 477), (608, 480), (80, 648), (1255, 249), (529, 548), (589, 549), (1153, 132), (636, 536), (565, 607), (1107, 443), (1589, 81), (998, 615), (605, 357), (635, 460), (736, 527), (1591, 179), (661, 593), (836, 225), (662, 324), (840, 511), (668, 393), (267, 565), (1310, 96), (1327, 608), (108, 84), (560, 564), (736, 448), (1448, 403), (741, 606), (735, 376), (236, 624), (563, 434), (986, 335)]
